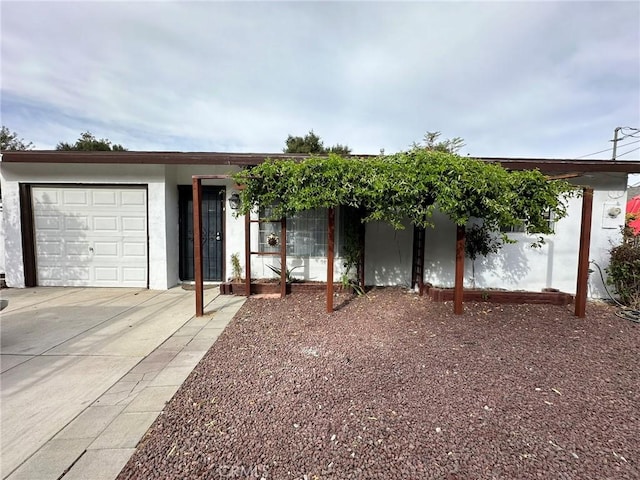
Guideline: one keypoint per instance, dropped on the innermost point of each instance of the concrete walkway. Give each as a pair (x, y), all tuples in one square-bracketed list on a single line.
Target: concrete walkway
[(85, 372)]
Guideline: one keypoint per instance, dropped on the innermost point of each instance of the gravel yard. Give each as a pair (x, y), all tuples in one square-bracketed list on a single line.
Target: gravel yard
[(394, 386)]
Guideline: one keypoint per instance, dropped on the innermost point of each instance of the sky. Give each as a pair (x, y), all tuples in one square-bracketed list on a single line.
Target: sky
[(513, 79)]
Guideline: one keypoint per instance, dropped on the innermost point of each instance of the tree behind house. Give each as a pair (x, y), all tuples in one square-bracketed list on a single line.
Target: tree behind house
[(312, 144), (10, 141), (88, 142), (431, 141)]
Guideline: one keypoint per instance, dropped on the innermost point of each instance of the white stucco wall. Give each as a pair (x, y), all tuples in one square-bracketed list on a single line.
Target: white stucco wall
[(519, 266), (388, 254), (152, 176), (11, 237), (172, 225)]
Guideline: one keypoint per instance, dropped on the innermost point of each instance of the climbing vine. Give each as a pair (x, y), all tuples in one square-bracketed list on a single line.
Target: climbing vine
[(411, 185)]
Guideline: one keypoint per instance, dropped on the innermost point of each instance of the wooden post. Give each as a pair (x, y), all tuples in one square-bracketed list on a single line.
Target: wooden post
[(362, 233), (583, 254), (247, 253), (283, 258), (197, 245), (330, 247), (458, 291)]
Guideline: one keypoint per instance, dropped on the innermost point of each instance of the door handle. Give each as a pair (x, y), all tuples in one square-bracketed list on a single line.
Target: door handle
[(218, 236), (91, 249)]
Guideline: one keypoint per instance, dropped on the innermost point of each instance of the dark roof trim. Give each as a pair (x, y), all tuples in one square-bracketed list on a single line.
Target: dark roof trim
[(247, 159), (162, 158), (567, 165)]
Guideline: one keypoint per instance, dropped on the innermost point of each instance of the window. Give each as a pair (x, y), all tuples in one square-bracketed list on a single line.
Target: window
[(306, 233), (515, 228), (520, 228)]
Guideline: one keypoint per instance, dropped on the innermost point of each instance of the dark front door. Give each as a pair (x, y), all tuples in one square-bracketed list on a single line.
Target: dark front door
[(212, 232)]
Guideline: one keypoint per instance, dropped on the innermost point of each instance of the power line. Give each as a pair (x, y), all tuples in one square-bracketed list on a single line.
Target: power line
[(635, 131), (629, 135), (606, 150), (629, 151), (630, 143), (595, 153)]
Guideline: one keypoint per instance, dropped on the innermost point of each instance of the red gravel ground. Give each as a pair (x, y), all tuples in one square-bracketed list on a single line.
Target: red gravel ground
[(394, 386)]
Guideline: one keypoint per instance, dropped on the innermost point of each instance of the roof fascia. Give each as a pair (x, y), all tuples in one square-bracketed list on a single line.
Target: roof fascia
[(249, 159)]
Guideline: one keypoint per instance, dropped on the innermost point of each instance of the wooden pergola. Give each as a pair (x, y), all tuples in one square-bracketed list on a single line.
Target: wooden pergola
[(583, 254), (582, 285)]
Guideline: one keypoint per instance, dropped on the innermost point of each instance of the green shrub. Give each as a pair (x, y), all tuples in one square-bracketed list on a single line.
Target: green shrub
[(288, 274), (236, 267), (624, 270)]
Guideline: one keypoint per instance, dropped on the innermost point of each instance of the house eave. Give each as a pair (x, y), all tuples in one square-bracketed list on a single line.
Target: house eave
[(546, 165), (550, 165), (149, 158)]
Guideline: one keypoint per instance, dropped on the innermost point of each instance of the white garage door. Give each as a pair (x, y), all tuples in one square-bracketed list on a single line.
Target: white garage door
[(91, 236)]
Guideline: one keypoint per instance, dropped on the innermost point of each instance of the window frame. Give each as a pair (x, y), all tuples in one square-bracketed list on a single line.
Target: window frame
[(307, 221), (521, 227)]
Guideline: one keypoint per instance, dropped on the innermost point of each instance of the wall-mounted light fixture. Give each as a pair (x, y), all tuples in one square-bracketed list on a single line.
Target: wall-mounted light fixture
[(234, 201)]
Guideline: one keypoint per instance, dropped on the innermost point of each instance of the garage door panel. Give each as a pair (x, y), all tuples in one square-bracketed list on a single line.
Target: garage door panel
[(50, 248), (133, 198), (104, 198), (73, 223), (134, 224), (134, 249), (48, 222), (47, 274), (45, 196), (70, 275), (91, 236), (106, 249), (107, 274), (134, 274), (106, 224), (77, 274), (75, 197), (77, 250)]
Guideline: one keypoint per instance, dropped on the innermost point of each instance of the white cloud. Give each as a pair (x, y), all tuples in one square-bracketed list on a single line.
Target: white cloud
[(513, 79)]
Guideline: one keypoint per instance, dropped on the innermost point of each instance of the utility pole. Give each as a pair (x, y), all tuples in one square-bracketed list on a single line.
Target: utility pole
[(615, 142), (635, 131)]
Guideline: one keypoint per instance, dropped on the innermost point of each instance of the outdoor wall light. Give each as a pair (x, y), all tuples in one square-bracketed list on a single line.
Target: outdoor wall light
[(234, 201)]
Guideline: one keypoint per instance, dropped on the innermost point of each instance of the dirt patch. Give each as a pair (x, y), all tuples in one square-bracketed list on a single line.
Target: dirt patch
[(394, 386)]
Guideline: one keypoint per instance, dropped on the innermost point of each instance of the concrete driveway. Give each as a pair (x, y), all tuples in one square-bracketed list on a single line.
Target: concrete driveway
[(85, 371)]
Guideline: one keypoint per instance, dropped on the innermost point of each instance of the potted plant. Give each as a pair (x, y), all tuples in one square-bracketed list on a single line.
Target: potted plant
[(236, 283)]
